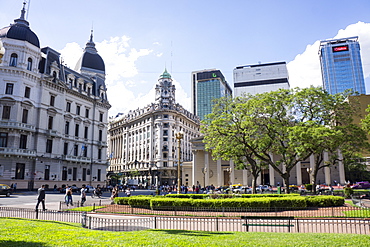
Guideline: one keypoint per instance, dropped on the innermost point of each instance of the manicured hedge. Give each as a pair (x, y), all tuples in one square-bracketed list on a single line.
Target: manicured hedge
[(192, 196), (156, 202)]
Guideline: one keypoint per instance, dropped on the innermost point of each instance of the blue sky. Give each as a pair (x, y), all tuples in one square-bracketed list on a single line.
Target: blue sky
[(138, 39)]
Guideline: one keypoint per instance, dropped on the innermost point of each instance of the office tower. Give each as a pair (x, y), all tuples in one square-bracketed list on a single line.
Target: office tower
[(143, 140), (341, 65), (53, 119), (260, 78), (207, 85)]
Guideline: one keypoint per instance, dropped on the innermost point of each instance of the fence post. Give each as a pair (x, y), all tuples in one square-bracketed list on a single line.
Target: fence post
[(93, 209), (155, 222), (89, 222), (60, 206), (83, 219), (37, 213), (216, 224)]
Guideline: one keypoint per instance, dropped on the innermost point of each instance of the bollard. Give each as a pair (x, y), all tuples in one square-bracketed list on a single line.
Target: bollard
[(93, 207), (37, 213)]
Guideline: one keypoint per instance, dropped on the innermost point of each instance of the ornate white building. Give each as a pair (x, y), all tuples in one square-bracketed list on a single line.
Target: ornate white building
[(142, 144), (53, 119)]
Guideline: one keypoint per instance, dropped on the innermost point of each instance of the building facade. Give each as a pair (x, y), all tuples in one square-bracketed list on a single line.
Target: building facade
[(341, 65), (142, 144), (206, 171), (260, 78), (53, 119), (207, 85)]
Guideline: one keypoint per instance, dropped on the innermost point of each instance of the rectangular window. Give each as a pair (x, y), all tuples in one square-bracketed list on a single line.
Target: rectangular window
[(100, 135), (66, 129), (65, 150), (84, 151), (50, 123), (23, 142), (47, 172), (75, 150), (84, 175), (74, 174), (52, 100), (68, 107), (77, 128), (165, 132), (19, 171), (6, 112), (101, 117), (27, 92), (99, 174), (78, 110), (25, 116), (9, 88), (49, 146), (3, 139), (64, 173), (99, 154), (86, 132), (87, 113)]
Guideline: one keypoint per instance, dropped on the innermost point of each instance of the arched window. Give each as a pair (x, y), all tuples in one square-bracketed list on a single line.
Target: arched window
[(29, 64), (13, 60)]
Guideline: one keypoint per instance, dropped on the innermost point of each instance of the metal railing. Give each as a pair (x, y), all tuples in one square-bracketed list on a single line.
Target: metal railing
[(315, 212), (110, 222)]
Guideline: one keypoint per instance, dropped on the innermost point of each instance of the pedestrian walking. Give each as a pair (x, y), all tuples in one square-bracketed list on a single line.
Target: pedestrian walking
[(68, 196), (41, 197), (83, 195), (128, 192)]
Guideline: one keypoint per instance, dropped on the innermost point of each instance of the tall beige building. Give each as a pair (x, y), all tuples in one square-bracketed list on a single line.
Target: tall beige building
[(142, 143)]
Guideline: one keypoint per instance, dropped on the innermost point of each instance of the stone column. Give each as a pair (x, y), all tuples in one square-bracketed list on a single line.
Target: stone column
[(312, 164), (206, 168), (327, 169), (245, 178), (232, 172), (219, 173), (272, 171), (342, 177)]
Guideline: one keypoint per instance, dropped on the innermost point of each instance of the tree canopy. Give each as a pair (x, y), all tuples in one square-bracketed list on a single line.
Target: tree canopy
[(289, 124)]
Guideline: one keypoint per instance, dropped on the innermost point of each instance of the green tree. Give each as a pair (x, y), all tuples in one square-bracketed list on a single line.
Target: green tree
[(291, 124), (229, 135)]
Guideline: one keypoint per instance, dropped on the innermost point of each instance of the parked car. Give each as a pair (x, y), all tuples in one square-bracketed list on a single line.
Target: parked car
[(5, 190), (241, 190), (73, 187), (361, 185), (262, 188), (89, 189)]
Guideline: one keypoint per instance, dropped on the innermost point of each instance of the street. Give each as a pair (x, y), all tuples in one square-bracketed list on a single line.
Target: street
[(28, 199)]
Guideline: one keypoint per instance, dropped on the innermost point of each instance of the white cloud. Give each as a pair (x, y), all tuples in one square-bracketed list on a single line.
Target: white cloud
[(305, 70)]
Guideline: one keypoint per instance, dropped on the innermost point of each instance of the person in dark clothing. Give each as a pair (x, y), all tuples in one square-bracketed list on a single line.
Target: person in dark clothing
[(41, 197)]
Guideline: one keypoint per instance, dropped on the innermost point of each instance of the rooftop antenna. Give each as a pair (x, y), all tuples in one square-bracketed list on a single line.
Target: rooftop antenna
[(28, 8), (171, 56)]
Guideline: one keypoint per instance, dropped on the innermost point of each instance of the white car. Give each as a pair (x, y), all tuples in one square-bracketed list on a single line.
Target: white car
[(241, 190)]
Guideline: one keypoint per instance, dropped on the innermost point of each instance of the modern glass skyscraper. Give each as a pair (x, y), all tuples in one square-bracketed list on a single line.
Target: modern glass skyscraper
[(207, 85), (341, 65)]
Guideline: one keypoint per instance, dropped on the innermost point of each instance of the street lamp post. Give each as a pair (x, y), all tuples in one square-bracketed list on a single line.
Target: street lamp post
[(179, 136)]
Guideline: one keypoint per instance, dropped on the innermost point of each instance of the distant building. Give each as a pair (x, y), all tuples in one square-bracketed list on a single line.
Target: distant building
[(260, 78), (341, 65), (207, 85), (53, 119), (142, 143)]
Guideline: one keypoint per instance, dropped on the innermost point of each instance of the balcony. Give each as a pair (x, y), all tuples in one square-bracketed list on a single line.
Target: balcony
[(101, 144), (17, 152), (53, 133), (76, 158), (17, 125)]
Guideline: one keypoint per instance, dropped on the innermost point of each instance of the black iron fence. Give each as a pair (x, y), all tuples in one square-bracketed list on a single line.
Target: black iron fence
[(116, 222), (315, 212)]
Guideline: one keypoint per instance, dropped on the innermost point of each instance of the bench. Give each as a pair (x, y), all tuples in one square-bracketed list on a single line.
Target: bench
[(266, 221)]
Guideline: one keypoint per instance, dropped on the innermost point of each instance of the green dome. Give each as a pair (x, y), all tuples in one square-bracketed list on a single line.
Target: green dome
[(165, 75)]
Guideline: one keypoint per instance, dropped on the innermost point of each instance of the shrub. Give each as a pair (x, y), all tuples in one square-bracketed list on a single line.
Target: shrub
[(324, 201), (348, 191), (308, 187), (121, 200), (288, 202), (140, 201)]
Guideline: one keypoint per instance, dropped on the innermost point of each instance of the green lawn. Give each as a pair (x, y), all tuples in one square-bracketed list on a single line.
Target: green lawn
[(22, 232)]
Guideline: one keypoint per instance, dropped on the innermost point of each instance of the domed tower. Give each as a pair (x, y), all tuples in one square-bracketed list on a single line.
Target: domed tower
[(21, 45), (165, 91), (91, 64)]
